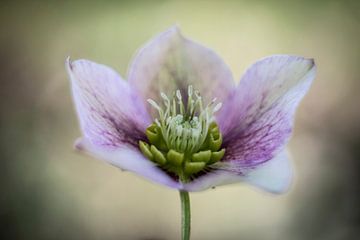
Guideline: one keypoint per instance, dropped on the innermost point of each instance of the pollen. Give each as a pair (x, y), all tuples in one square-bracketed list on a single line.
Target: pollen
[(185, 138)]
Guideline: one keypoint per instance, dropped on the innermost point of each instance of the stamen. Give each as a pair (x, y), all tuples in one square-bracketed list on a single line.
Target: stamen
[(187, 131), (217, 107), (154, 104), (180, 102), (173, 106), (166, 102)]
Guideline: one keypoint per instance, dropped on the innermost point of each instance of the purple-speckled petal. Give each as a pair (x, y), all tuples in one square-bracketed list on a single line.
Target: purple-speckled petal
[(112, 118), (128, 158), (258, 120), (110, 113), (170, 62), (273, 176)]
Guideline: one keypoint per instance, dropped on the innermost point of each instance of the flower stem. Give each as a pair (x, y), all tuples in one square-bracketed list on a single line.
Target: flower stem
[(185, 215)]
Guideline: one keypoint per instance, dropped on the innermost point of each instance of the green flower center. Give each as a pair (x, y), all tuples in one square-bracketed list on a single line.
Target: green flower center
[(184, 139)]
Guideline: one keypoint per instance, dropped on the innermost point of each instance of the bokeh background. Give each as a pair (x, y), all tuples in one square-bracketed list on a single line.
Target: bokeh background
[(48, 191)]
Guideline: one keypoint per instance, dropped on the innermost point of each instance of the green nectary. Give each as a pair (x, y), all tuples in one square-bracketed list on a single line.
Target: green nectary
[(184, 140), (182, 163)]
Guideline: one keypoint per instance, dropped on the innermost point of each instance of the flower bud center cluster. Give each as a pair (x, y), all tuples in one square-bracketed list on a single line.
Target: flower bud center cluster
[(184, 139)]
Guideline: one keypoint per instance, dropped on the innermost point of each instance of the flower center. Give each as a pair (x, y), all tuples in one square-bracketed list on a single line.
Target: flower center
[(185, 139)]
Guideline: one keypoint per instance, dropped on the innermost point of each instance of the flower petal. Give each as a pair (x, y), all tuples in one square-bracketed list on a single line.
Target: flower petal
[(110, 113), (129, 158), (258, 120), (170, 62), (273, 176)]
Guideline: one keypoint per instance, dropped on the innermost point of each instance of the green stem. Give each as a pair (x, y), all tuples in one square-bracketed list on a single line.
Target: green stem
[(185, 215)]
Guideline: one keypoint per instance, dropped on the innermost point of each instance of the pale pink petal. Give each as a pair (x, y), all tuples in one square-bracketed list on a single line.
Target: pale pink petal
[(170, 62), (129, 158), (273, 176), (258, 120), (109, 111)]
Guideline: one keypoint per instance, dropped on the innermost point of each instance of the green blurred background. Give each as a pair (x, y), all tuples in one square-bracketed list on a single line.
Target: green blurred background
[(50, 192)]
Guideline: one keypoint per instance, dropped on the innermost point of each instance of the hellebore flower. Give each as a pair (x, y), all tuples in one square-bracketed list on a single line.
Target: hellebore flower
[(180, 120)]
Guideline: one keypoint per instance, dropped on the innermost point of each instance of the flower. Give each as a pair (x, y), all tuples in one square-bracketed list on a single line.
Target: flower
[(197, 130)]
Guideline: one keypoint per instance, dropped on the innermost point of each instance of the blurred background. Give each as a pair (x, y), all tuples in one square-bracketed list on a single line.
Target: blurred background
[(48, 191)]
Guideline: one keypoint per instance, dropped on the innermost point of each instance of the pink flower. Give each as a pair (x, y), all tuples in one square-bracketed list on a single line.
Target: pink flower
[(249, 124)]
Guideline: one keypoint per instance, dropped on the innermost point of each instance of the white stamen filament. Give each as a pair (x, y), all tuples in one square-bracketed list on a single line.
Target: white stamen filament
[(185, 129)]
